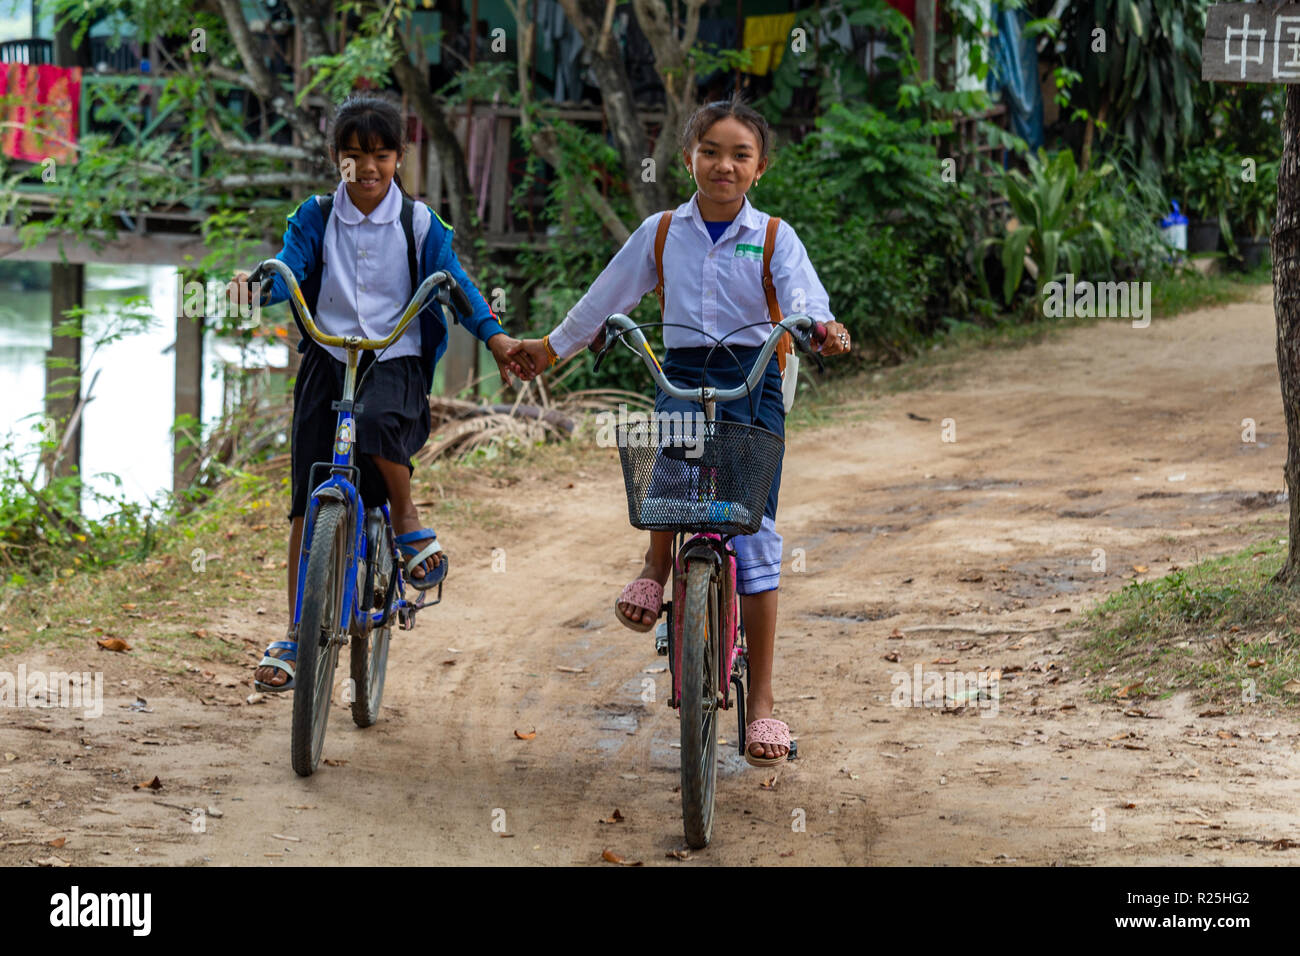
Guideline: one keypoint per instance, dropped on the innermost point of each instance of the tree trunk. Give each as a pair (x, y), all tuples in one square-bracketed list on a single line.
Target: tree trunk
[(1286, 308)]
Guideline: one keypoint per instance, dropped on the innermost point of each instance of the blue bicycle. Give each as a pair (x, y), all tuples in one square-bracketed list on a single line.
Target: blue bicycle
[(350, 580)]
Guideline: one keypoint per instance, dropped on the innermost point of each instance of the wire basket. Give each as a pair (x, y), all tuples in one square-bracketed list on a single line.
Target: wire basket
[(700, 476)]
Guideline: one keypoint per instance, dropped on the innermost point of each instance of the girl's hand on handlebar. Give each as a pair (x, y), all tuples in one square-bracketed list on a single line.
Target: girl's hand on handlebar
[(238, 290), (533, 353), (837, 339)]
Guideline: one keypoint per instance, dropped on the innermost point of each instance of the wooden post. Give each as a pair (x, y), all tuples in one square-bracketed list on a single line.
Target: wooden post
[(67, 291), (189, 397), (460, 361), (1259, 43), (925, 19)]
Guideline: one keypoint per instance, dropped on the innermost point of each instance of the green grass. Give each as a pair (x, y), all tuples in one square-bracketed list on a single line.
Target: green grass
[(1209, 629)]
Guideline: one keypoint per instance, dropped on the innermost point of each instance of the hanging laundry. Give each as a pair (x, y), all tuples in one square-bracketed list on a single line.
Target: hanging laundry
[(560, 39), (44, 106), (714, 34), (765, 38)]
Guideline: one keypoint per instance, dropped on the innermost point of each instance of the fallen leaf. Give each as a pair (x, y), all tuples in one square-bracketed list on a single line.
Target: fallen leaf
[(972, 578), (527, 735), (128, 607), (58, 842), (334, 762), (893, 657), (1220, 713), (200, 633), (9, 757), (1255, 663), (113, 644), (254, 698), (944, 660), (895, 635), (154, 784), (1292, 686), (1125, 691), (1140, 568), (571, 670), (677, 854), (614, 817), (610, 856)]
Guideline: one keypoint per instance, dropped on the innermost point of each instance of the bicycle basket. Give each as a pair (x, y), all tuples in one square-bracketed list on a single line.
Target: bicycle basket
[(692, 477)]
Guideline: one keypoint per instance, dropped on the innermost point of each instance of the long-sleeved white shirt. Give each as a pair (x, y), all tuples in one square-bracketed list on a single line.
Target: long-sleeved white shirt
[(712, 288), (365, 283)]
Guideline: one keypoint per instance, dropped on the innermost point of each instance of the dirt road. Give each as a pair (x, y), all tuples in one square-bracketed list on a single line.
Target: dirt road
[(1114, 438)]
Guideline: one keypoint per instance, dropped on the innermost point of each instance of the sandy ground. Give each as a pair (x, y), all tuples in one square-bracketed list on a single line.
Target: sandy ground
[(1061, 449)]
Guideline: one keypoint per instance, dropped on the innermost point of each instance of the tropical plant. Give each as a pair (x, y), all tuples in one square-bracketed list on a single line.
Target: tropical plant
[(1130, 204), (1052, 219), (1254, 202), (1203, 181), (1140, 64)]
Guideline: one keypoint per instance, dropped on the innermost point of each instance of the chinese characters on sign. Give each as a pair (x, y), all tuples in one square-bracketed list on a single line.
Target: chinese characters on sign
[(1251, 43)]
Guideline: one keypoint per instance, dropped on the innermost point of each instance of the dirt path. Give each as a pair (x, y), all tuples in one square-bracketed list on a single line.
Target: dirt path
[(1061, 449)]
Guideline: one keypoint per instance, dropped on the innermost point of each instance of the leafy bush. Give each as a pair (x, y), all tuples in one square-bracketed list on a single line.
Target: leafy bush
[(1130, 204), (1054, 224)]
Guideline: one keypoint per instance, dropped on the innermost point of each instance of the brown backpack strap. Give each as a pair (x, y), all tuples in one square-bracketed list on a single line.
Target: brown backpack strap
[(664, 220), (785, 346)]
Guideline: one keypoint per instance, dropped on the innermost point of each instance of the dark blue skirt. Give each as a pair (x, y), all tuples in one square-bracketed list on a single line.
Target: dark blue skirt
[(683, 367)]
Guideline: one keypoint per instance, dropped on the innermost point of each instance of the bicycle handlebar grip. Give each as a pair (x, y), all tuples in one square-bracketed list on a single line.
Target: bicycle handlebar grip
[(819, 333), (459, 300), (598, 343)]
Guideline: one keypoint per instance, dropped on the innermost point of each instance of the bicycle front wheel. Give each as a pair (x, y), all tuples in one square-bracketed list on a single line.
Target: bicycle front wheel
[(320, 635), (699, 702)]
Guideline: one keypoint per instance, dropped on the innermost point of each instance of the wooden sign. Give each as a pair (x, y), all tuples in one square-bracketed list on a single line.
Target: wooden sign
[(1251, 43)]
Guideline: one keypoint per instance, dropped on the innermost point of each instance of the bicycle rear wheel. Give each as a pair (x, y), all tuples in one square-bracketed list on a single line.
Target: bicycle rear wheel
[(320, 635), (370, 653), (699, 702)]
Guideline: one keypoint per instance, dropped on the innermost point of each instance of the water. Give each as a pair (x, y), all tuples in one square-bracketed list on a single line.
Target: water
[(126, 427)]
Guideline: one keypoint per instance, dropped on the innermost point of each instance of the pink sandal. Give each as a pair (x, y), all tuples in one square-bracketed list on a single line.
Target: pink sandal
[(767, 730), (645, 593)]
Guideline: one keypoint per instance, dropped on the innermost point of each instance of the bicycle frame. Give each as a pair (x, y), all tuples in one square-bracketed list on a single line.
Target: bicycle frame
[(337, 486)]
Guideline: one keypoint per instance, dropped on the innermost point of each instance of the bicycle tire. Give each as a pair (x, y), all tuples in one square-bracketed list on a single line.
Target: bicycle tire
[(699, 703), (322, 604), (370, 652)]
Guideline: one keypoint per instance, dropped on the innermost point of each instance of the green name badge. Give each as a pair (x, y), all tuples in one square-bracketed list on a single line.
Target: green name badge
[(745, 251)]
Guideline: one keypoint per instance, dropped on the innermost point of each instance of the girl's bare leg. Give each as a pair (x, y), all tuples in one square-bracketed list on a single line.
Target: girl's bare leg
[(401, 509), (658, 564), (759, 611)]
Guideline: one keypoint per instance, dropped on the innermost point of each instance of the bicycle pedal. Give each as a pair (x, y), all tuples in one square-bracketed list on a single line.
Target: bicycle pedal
[(661, 638)]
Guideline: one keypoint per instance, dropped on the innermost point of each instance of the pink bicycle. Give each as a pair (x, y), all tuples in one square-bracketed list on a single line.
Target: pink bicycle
[(708, 480)]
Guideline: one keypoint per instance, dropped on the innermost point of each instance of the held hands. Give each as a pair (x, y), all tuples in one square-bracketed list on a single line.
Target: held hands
[(837, 339), (512, 356), (532, 352)]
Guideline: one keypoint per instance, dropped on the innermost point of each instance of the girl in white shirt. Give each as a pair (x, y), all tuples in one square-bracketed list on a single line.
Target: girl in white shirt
[(358, 256), (712, 261)]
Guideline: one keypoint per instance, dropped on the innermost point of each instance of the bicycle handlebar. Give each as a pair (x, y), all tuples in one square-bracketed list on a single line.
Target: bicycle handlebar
[(804, 329), (450, 293)]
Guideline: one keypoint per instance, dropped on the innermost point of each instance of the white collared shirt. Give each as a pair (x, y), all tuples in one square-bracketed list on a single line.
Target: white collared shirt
[(365, 283), (713, 288)]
